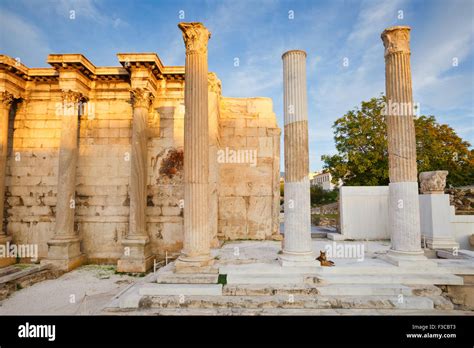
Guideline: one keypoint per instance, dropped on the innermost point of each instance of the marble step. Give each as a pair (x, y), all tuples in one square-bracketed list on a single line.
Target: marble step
[(295, 312), (266, 268), (333, 289), (152, 289), (405, 279), (368, 267), (20, 273), (8, 270), (266, 278), (179, 278), (268, 289), (288, 301), (379, 269), (378, 289)]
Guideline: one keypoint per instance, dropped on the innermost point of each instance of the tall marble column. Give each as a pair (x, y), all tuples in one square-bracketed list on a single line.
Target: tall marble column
[(214, 98), (196, 249), (137, 256), (64, 249), (297, 219), (6, 100), (404, 215)]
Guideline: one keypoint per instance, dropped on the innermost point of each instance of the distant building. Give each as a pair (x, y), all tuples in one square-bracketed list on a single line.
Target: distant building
[(324, 181)]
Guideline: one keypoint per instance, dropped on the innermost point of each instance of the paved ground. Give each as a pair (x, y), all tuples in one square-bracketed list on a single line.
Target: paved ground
[(88, 289), (250, 251), (83, 291)]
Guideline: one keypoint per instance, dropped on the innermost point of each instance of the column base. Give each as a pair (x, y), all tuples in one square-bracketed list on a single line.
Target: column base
[(65, 254), (415, 259), (6, 261), (439, 243), (137, 256), (195, 264), (289, 259), (435, 216)]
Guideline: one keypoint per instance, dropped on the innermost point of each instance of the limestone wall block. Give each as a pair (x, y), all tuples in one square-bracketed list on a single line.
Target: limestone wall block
[(265, 147), (171, 211), (232, 232), (232, 209)]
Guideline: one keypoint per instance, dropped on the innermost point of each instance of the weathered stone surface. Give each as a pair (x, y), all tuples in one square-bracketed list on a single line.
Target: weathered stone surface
[(284, 301), (122, 186), (462, 295), (433, 182), (251, 184)]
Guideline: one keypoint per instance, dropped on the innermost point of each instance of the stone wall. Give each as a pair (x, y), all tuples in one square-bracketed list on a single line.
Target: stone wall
[(363, 212), (244, 199), (103, 169), (249, 190), (32, 169), (363, 216), (165, 161)]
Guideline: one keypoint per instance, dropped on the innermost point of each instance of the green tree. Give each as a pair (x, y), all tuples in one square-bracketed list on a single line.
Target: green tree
[(321, 197), (362, 154)]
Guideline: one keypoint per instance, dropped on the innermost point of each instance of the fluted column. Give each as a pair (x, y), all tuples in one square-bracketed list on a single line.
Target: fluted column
[(196, 247), (68, 152), (6, 103), (404, 216), (64, 249), (297, 248), (136, 246), (214, 97)]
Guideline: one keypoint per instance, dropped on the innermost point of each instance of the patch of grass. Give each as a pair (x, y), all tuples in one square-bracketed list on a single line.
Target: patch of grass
[(130, 274), (222, 279), (23, 265), (92, 267)]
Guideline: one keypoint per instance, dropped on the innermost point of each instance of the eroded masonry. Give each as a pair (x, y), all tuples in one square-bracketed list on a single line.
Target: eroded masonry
[(92, 160)]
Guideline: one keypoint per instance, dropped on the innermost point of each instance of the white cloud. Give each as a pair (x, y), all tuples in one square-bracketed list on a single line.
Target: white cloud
[(19, 38), (437, 83)]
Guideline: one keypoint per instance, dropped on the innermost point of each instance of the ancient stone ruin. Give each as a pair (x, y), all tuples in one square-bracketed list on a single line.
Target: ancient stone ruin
[(142, 162), (98, 163)]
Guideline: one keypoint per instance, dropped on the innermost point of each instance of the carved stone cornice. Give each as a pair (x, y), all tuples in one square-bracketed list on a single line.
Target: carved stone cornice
[(7, 98), (141, 98), (396, 39), (195, 36), (214, 83)]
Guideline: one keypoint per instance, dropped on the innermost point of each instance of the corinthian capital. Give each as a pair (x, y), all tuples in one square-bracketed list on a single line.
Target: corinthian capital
[(141, 97), (7, 98), (71, 96), (195, 36), (396, 39), (214, 83)]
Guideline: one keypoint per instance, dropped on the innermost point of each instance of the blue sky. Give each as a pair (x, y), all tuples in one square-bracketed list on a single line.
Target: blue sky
[(258, 32)]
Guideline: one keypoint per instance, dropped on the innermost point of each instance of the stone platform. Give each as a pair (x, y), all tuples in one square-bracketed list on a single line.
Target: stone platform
[(251, 281)]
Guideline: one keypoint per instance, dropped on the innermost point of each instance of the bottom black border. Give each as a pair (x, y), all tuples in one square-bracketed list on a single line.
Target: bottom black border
[(243, 330)]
